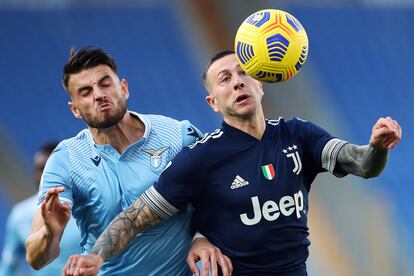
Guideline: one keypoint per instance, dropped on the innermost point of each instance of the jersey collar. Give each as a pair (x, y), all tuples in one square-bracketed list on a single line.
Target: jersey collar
[(145, 121), (238, 135)]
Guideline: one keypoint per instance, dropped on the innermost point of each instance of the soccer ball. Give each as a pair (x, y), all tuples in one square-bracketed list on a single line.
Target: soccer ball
[(271, 45)]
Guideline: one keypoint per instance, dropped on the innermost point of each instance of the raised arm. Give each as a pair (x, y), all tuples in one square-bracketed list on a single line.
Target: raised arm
[(369, 160), (119, 233), (49, 222)]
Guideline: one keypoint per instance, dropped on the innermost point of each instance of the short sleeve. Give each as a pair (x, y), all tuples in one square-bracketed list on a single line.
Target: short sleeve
[(57, 174), (178, 185), (189, 133), (321, 147)]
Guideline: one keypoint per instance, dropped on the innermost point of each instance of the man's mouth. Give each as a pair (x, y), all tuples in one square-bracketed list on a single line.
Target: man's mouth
[(104, 106), (242, 98)]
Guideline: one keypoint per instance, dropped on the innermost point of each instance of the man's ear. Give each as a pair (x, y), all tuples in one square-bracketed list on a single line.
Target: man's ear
[(212, 102), (74, 110), (124, 87)]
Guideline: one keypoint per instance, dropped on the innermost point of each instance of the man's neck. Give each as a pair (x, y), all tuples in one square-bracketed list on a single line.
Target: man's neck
[(126, 132), (254, 126)]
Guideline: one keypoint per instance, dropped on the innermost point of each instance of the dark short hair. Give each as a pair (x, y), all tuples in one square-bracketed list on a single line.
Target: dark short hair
[(47, 148), (213, 59), (86, 58)]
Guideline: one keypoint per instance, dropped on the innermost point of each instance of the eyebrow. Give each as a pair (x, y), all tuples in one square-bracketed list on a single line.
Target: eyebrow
[(223, 71), (104, 77), (228, 70)]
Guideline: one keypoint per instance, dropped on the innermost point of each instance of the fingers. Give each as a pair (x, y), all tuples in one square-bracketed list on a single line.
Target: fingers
[(88, 271), (385, 122), (81, 265), (229, 264), (205, 263), (52, 194), (213, 263), (191, 261), (69, 267), (210, 256), (399, 135), (52, 201), (225, 264), (386, 133)]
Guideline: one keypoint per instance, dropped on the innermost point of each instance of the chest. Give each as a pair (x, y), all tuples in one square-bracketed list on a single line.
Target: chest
[(266, 168), (266, 180), (111, 180)]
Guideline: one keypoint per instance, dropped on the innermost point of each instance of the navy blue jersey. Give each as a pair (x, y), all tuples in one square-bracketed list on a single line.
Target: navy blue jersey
[(250, 196)]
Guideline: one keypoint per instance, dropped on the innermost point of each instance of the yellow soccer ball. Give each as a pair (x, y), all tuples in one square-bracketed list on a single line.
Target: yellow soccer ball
[(271, 45)]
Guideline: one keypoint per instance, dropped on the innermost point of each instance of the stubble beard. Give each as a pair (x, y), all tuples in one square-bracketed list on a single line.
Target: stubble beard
[(93, 122)]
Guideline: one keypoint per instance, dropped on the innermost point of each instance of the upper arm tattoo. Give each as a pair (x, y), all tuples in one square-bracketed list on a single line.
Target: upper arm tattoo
[(124, 228), (366, 161)]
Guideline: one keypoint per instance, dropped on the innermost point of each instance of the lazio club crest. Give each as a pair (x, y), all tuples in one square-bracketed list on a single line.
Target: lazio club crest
[(156, 158)]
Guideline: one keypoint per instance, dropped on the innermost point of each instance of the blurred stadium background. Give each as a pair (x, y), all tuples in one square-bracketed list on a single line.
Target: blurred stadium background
[(360, 67)]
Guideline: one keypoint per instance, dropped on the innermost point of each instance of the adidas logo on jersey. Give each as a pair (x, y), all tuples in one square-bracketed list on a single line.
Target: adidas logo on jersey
[(238, 182)]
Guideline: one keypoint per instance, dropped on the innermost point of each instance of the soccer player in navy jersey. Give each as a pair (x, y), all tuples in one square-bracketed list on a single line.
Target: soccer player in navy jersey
[(248, 181), (105, 168)]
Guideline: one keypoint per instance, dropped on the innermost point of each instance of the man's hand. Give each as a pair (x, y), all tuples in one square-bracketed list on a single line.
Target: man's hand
[(55, 214), (85, 265), (209, 254), (386, 133)]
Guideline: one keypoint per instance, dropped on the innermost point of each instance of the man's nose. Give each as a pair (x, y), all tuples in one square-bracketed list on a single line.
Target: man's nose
[(238, 83), (98, 93)]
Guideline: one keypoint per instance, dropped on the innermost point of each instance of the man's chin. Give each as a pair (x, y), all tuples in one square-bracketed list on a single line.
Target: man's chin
[(107, 122)]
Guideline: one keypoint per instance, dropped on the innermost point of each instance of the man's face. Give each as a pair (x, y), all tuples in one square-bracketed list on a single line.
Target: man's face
[(231, 91), (98, 96)]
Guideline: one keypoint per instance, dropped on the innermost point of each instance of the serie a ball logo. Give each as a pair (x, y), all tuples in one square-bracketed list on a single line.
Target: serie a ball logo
[(271, 45)]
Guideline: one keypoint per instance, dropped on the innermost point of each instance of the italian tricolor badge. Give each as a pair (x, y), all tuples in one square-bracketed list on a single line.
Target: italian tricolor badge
[(268, 171)]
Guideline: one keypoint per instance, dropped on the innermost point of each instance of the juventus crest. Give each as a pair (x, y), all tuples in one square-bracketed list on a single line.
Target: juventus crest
[(156, 158), (292, 152)]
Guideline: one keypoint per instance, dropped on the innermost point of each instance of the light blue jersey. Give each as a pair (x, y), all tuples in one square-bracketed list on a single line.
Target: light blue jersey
[(18, 227), (100, 183)]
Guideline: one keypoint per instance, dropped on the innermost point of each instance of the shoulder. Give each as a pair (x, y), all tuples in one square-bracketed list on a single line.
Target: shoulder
[(208, 142), (296, 122), (159, 120), (83, 137), (199, 155), (164, 122), (76, 148), (183, 131), (299, 127), (161, 126)]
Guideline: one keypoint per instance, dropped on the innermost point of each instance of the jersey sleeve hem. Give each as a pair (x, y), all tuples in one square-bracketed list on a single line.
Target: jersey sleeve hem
[(330, 153), (65, 200), (158, 204)]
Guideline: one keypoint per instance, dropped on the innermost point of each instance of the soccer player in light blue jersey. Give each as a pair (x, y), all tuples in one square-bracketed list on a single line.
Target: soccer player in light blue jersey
[(13, 260), (102, 170), (248, 181)]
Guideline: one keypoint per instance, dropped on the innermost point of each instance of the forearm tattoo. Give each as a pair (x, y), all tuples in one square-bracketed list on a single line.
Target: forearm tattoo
[(366, 161), (124, 228)]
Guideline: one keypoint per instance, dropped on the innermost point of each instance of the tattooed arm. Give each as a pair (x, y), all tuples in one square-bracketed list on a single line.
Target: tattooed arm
[(369, 160), (124, 228), (365, 161), (119, 233)]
